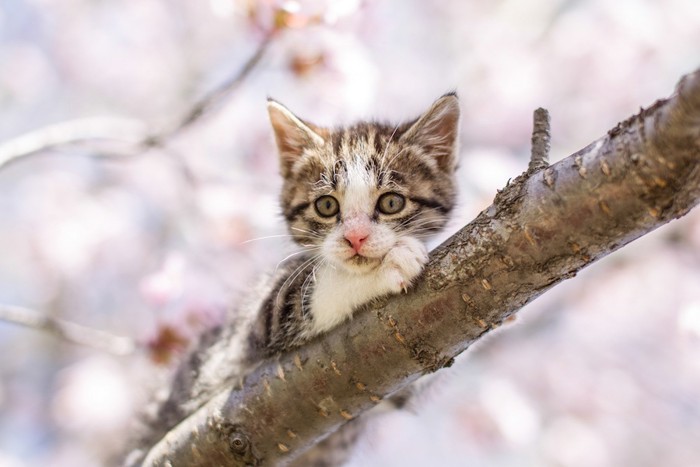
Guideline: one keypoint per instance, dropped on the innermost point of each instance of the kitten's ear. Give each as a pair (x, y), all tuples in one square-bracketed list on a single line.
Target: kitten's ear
[(437, 131), (292, 134)]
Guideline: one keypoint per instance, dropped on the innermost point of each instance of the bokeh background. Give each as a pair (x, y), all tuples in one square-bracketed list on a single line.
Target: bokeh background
[(154, 244)]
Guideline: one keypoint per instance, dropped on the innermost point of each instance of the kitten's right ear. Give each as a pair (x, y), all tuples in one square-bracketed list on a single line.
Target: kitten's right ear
[(292, 134)]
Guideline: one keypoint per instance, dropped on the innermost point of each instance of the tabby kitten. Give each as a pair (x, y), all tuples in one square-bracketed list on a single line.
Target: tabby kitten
[(361, 200)]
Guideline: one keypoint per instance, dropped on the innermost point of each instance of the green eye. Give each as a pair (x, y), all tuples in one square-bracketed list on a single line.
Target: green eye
[(391, 203), (327, 206)]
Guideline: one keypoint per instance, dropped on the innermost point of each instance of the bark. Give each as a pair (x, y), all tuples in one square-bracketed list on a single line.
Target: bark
[(541, 229)]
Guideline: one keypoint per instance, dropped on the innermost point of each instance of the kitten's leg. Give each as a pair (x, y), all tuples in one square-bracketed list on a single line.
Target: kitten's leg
[(403, 263)]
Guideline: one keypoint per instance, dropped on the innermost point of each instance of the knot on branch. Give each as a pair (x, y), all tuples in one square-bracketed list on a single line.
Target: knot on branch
[(239, 445)]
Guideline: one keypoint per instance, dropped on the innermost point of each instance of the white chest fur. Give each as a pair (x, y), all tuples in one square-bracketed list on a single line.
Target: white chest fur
[(338, 292)]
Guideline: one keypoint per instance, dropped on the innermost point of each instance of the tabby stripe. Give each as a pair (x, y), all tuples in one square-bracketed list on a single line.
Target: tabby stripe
[(339, 168), (286, 313), (380, 178), (430, 203), (361, 132), (378, 146), (371, 164), (294, 212), (268, 311), (275, 315), (316, 226), (336, 140), (405, 221), (396, 177), (419, 167)]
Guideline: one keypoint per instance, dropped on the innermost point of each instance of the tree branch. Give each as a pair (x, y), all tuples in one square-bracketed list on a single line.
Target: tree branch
[(129, 137), (542, 228), (67, 331), (124, 135), (215, 97), (539, 156)]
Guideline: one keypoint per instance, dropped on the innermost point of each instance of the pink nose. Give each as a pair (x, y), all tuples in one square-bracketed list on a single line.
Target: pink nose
[(356, 238)]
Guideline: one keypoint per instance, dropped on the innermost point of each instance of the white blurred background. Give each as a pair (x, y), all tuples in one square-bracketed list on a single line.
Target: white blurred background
[(602, 371)]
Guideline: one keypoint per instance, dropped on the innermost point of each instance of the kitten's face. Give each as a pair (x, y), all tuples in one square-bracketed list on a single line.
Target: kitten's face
[(350, 194)]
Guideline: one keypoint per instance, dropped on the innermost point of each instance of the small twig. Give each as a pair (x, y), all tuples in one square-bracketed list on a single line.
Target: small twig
[(217, 95), (107, 130), (539, 156), (67, 331), (123, 131)]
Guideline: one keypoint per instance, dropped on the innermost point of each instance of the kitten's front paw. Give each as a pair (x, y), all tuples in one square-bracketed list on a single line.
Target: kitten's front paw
[(403, 263)]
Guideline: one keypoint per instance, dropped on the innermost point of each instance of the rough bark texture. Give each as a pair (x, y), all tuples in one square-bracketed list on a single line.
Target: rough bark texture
[(542, 228)]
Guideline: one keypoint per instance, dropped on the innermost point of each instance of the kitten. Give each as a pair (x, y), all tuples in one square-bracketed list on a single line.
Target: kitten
[(361, 200)]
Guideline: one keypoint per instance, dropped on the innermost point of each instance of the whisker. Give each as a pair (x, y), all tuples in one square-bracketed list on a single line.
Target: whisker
[(419, 222), (295, 254), (421, 226), (311, 233), (425, 233), (417, 214), (384, 163), (390, 161), (424, 223), (265, 238), (425, 227), (405, 222), (294, 275), (311, 278), (388, 143)]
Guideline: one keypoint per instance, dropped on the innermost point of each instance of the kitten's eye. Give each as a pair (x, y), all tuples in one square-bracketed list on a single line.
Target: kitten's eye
[(391, 203), (327, 206)]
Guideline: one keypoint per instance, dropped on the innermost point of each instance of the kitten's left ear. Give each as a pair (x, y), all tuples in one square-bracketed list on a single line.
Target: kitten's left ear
[(437, 131), (292, 134)]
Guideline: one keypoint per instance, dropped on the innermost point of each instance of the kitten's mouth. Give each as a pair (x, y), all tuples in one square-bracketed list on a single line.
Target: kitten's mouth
[(362, 261)]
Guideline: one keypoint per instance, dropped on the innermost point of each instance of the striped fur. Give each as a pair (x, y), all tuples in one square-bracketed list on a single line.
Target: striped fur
[(320, 288), (360, 252)]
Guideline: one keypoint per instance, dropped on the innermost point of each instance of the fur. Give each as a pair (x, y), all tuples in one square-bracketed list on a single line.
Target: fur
[(392, 185), (359, 252)]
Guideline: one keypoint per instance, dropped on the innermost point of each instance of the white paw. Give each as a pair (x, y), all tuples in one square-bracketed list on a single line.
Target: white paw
[(403, 263)]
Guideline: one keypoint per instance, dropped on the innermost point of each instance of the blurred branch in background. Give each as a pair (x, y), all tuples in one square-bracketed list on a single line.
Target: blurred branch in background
[(215, 97), (94, 132), (161, 348), (126, 137), (67, 331)]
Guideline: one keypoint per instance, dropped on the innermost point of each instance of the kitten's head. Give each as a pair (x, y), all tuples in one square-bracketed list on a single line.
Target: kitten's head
[(353, 192)]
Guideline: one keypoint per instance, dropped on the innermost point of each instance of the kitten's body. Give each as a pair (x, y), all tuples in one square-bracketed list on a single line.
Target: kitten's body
[(362, 251), (391, 187)]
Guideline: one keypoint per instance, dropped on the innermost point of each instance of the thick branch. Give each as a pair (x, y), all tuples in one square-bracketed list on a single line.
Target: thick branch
[(541, 229)]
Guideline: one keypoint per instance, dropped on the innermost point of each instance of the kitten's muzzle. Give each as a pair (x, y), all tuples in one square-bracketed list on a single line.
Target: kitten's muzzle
[(356, 239), (363, 261), (356, 231)]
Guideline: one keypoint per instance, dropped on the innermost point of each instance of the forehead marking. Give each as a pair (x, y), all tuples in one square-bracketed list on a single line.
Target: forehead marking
[(359, 185)]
